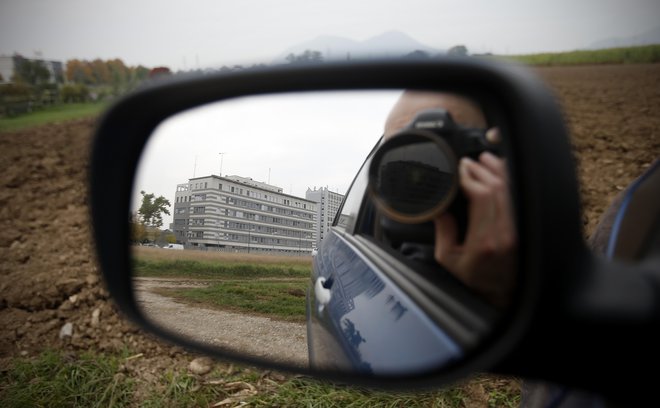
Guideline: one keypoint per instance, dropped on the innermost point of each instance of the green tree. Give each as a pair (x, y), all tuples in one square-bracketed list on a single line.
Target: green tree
[(152, 208), (31, 72), (138, 231), (458, 51), (306, 57), (140, 73)]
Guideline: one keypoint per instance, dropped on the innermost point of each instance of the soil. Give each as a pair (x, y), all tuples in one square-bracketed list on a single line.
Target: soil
[(49, 275)]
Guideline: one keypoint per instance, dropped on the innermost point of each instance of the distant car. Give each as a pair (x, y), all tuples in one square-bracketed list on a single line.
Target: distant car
[(174, 246), (368, 308)]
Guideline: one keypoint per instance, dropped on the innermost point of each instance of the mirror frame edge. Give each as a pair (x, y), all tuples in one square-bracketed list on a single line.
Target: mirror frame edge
[(125, 128)]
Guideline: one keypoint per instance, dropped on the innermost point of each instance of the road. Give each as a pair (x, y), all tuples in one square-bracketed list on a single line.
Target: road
[(257, 336)]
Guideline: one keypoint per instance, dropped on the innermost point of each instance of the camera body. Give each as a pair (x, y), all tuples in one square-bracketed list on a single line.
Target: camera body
[(413, 176), (463, 141)]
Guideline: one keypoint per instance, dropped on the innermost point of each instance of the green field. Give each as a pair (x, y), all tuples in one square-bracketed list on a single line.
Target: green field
[(53, 114), (627, 55)]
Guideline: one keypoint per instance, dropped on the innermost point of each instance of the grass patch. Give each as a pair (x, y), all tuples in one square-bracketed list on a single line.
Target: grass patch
[(309, 393), (57, 113), (183, 268), (625, 55), (282, 300), (181, 390), (54, 380)]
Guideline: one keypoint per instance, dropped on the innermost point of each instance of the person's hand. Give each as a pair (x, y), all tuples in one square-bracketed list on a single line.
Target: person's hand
[(486, 260)]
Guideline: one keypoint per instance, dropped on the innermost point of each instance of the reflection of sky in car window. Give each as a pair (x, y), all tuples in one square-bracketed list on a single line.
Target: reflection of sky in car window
[(206, 33)]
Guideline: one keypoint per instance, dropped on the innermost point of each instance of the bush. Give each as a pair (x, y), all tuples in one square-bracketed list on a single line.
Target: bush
[(16, 99), (74, 93)]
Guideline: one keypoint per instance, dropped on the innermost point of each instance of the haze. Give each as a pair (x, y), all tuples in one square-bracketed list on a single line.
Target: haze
[(211, 33)]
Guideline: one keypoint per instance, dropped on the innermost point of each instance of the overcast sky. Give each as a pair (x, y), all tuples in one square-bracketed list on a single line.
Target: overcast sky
[(295, 141), (207, 33)]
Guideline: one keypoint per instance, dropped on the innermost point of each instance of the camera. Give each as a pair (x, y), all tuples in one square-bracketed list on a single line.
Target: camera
[(413, 176)]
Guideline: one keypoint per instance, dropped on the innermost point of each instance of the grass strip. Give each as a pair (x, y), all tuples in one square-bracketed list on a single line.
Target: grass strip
[(52, 114), (282, 300), (310, 393), (216, 270)]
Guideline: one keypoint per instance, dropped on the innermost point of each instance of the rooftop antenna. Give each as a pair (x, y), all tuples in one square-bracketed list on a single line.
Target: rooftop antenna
[(222, 156), (195, 167), (269, 175)]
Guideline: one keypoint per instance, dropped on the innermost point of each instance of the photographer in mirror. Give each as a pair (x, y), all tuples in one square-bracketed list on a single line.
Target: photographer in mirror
[(475, 237)]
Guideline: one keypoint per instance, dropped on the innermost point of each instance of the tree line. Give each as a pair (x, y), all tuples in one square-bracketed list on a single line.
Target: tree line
[(34, 85)]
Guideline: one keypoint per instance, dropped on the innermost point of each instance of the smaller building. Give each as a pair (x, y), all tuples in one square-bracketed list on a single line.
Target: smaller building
[(328, 203)]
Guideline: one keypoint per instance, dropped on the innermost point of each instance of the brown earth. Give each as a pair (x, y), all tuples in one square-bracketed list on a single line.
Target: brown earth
[(48, 270)]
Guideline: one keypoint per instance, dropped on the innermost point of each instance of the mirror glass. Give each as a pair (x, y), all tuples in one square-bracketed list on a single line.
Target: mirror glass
[(248, 237)]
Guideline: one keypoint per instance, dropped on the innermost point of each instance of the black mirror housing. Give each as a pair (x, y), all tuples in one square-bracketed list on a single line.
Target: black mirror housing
[(543, 180)]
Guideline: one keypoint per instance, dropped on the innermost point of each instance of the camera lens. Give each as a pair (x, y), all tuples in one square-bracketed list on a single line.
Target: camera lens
[(413, 177)]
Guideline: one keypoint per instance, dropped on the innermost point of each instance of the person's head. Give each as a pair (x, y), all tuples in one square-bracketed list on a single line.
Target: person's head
[(463, 110)]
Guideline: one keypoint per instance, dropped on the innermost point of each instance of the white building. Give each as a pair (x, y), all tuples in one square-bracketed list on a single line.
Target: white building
[(328, 203), (235, 213)]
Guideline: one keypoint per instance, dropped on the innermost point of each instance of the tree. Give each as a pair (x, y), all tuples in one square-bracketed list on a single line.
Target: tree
[(417, 54), (140, 73), (79, 72), (152, 208), (31, 72), (101, 72), (170, 238), (138, 231), (458, 51), (306, 57)]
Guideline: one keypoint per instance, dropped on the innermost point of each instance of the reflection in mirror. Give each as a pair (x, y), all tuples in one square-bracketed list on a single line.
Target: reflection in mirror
[(234, 244)]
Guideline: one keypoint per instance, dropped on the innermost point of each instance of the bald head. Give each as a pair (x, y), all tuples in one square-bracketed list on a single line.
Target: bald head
[(463, 110)]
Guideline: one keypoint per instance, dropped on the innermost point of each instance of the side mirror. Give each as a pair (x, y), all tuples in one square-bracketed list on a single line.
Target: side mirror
[(438, 330)]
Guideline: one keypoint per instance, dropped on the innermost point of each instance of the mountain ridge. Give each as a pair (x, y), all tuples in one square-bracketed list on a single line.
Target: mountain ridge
[(387, 44)]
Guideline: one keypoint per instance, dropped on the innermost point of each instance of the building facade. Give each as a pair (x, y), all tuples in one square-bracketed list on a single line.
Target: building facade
[(235, 213), (328, 203)]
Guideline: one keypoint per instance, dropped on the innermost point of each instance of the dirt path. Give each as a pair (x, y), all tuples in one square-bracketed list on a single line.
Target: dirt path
[(254, 335)]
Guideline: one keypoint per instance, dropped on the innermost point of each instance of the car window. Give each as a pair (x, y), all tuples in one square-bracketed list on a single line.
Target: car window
[(347, 214)]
